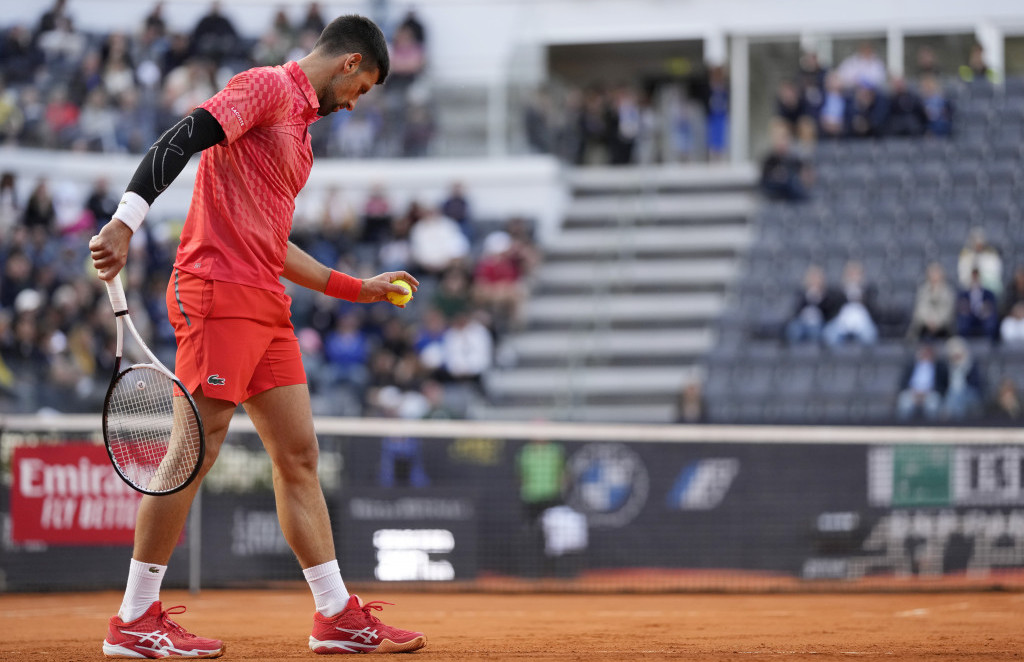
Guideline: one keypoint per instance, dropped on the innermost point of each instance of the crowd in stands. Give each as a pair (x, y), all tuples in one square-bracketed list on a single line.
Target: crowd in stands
[(625, 123), (62, 88), (978, 307), (56, 329), (857, 99)]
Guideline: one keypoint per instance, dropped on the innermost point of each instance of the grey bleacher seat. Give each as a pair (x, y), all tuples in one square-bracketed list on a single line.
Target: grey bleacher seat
[(930, 150), (1006, 151), (878, 377), (1014, 87), (835, 378)]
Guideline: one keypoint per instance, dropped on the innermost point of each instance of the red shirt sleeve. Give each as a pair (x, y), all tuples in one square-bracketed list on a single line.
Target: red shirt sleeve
[(251, 98)]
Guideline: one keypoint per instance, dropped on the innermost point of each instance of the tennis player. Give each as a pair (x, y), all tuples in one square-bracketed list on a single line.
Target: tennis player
[(232, 323)]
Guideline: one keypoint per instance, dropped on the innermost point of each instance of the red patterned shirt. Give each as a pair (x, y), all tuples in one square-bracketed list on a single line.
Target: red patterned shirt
[(244, 198)]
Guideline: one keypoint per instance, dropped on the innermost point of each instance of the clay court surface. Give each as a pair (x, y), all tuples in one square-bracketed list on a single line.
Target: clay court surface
[(274, 625)]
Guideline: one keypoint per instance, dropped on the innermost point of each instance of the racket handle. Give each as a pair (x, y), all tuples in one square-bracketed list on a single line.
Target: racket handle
[(115, 291)]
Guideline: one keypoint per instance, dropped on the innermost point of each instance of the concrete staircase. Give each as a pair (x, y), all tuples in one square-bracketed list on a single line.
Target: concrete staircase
[(623, 306)]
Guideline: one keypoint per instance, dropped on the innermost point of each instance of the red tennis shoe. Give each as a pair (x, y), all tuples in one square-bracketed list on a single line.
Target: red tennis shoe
[(356, 630), (154, 635)]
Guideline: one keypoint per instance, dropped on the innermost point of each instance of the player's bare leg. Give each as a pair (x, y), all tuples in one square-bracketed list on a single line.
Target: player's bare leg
[(161, 518), (284, 420)]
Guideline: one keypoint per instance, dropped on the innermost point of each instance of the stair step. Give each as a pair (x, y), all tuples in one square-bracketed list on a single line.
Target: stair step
[(563, 383), (631, 240), (680, 207), (697, 177), (618, 413), (640, 307), (633, 273), (642, 343)]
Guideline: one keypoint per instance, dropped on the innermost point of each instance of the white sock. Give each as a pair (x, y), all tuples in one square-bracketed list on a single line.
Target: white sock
[(143, 589), (329, 590)]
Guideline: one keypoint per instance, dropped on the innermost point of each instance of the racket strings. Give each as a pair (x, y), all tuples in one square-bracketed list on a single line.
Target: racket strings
[(154, 434)]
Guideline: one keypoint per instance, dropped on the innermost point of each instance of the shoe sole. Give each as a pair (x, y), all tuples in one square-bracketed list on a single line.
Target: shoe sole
[(386, 646), (114, 652)]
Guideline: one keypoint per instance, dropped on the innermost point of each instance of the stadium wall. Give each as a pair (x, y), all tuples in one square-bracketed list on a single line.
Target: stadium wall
[(529, 186), (650, 508)]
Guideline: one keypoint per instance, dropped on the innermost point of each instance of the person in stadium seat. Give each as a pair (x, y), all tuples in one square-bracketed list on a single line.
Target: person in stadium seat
[(907, 116), (965, 391), (977, 312), (866, 113), (1011, 329), (855, 321), (979, 254), (934, 307), (784, 175), (863, 69), (923, 385), (937, 108), (1005, 406), (816, 304), (1014, 292)]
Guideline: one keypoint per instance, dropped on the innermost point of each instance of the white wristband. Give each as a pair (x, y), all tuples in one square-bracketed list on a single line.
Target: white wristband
[(131, 210)]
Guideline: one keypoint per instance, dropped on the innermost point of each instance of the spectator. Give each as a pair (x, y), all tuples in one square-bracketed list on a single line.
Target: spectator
[(453, 294), (812, 82), (926, 62), (347, 349), (214, 36), (816, 305), (626, 128), (923, 386), (314, 20), (497, 283), (414, 26), (784, 175), (1014, 292), (401, 462), (855, 321), (863, 69), (866, 113), (937, 108), (456, 207), (100, 204), (408, 60), (977, 314), (377, 215), (907, 116), (540, 466), (468, 351), (437, 243), (539, 122), (976, 71), (595, 122), (717, 105), (966, 391), (1011, 329), (40, 215), (978, 254), (429, 338), (155, 22), (832, 116), (934, 307), (791, 110), (524, 248), (690, 407), (97, 124), (1006, 405), (9, 210)]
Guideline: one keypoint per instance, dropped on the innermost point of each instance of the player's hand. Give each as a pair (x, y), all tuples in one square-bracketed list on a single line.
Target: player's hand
[(377, 288), (109, 249)]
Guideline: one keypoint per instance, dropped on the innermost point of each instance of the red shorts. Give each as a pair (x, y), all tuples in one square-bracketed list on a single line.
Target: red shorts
[(234, 341)]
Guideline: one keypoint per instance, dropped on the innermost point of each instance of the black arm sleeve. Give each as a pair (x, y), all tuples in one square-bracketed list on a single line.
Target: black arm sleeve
[(167, 157)]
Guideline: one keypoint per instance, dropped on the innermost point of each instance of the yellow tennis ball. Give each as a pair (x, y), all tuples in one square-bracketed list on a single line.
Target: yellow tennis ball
[(400, 299)]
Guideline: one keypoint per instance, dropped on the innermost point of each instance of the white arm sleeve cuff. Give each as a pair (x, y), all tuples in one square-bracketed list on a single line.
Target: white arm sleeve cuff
[(131, 210)]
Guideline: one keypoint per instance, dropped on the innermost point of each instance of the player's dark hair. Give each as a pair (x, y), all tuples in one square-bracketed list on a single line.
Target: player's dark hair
[(356, 34)]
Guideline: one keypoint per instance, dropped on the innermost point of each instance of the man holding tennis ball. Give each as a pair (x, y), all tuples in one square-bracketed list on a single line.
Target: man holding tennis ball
[(232, 323)]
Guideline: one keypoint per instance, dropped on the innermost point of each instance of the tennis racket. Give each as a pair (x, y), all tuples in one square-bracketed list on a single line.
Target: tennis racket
[(151, 425)]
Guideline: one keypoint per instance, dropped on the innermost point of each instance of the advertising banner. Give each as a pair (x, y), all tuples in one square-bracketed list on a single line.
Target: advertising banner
[(69, 494)]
